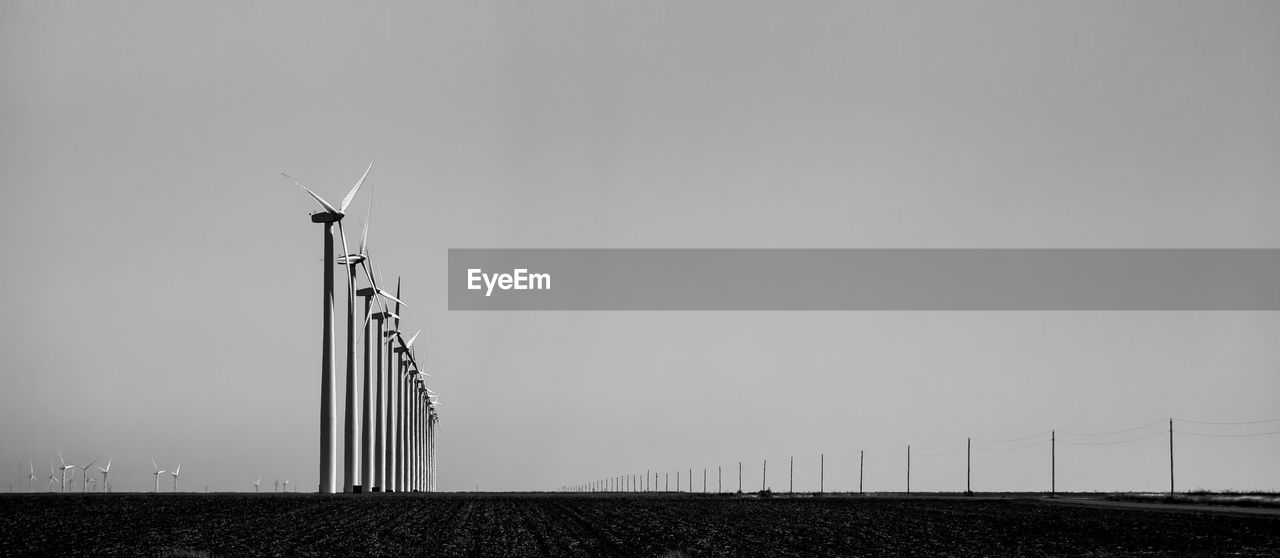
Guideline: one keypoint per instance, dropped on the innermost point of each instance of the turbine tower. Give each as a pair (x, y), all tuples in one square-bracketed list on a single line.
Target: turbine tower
[(65, 466), (157, 473), (84, 475), (328, 405), (31, 478), (175, 474), (106, 485)]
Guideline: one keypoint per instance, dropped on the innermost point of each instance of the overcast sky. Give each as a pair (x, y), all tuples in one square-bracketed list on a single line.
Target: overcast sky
[(161, 292)]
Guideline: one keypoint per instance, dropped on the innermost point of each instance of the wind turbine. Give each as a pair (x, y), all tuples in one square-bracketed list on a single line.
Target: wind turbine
[(277, 489), (84, 474), (328, 404), (255, 485), (175, 474), (52, 476), (286, 485), (31, 478), (157, 473), (65, 466), (106, 485)]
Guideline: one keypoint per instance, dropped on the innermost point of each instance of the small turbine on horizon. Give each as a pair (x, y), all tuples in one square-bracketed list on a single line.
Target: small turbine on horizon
[(65, 466), (255, 485), (84, 474), (175, 474), (106, 484), (157, 473)]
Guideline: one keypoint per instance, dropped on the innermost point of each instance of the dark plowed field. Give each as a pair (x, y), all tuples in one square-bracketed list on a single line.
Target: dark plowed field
[(607, 525)]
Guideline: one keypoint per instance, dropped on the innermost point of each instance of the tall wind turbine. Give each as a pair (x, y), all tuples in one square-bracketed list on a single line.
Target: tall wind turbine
[(65, 466), (360, 464), (84, 475), (31, 478), (175, 474), (157, 473), (106, 485), (53, 477), (328, 404), (256, 483)]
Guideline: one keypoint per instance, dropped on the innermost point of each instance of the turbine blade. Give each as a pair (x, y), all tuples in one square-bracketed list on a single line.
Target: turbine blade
[(344, 238), (364, 235), (411, 339), (324, 204), (352, 194), (393, 299)]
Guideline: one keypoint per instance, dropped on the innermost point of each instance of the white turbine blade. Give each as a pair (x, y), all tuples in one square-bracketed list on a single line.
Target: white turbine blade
[(64, 462), (179, 470), (352, 194), (364, 234), (389, 296), (344, 238), (324, 204), (154, 466), (411, 339)]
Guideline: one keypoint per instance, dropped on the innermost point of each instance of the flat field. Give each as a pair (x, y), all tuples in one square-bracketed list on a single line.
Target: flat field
[(537, 524)]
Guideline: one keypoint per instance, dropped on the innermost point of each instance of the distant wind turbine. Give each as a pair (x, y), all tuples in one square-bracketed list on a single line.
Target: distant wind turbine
[(52, 476), (255, 484), (106, 484), (31, 478), (328, 403), (175, 474), (286, 485), (65, 466), (84, 474), (157, 473)]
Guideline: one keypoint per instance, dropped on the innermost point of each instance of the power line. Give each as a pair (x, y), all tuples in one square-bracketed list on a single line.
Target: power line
[(1149, 425), (1114, 442), (1229, 423), (1227, 435)]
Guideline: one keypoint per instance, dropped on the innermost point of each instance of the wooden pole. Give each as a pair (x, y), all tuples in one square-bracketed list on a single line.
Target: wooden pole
[(862, 455), (968, 466), (719, 479), (764, 476), (908, 469), (739, 476), (1053, 462), (791, 484), (822, 472), (1170, 456), (704, 480)]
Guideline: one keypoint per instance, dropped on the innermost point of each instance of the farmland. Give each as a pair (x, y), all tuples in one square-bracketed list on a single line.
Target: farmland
[(536, 524)]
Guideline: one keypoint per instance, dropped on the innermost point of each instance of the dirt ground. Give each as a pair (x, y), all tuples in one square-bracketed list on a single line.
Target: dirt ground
[(612, 525)]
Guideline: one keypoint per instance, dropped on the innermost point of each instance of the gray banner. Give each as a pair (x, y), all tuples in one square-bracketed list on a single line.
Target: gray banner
[(864, 279)]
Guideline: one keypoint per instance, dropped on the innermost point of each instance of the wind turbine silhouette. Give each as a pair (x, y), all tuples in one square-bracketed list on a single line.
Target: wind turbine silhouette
[(255, 484), (84, 474), (65, 466), (106, 485), (31, 478), (52, 476), (157, 473), (328, 404), (175, 474)]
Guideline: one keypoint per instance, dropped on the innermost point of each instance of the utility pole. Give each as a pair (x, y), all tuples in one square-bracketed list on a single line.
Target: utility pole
[(739, 477), (764, 476), (1053, 462), (862, 455), (791, 484), (968, 466), (719, 479), (666, 483), (908, 468), (704, 480), (822, 472), (1171, 457)]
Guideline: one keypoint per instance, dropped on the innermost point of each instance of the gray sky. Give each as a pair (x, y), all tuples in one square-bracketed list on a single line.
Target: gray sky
[(161, 298)]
